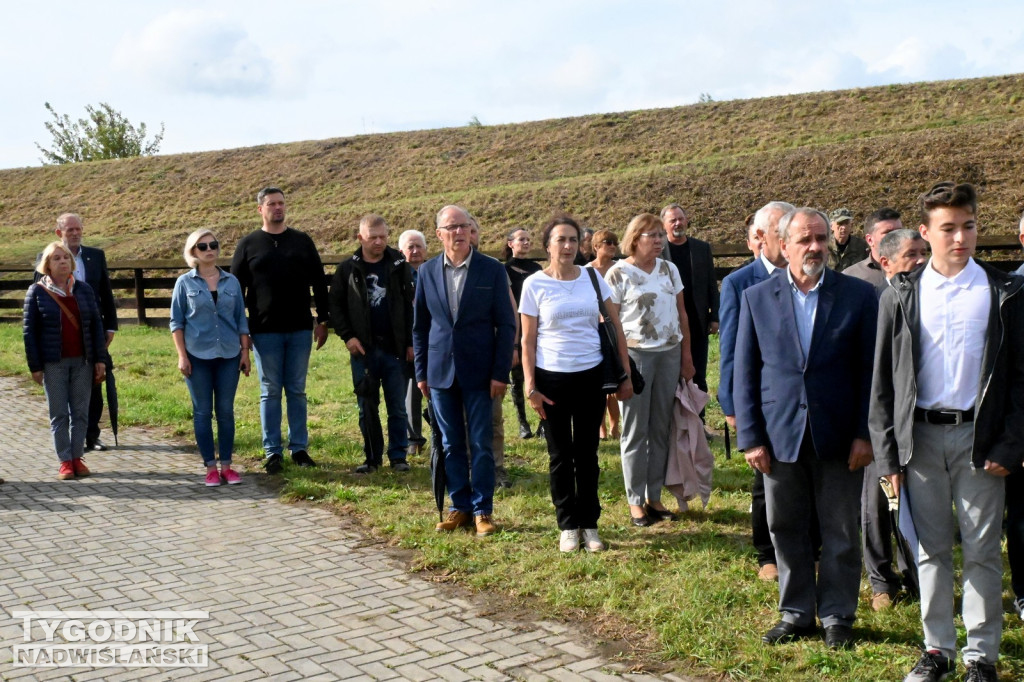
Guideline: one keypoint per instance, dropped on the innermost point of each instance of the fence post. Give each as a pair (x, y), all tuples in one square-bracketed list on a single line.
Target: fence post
[(140, 296)]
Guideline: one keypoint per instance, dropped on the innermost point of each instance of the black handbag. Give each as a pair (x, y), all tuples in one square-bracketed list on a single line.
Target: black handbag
[(613, 373)]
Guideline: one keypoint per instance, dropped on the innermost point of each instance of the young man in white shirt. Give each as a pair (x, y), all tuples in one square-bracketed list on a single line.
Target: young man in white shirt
[(945, 330)]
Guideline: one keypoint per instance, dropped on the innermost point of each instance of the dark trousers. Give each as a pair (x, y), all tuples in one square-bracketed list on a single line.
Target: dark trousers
[(876, 528), (1015, 531), (759, 525), (793, 490), (572, 428), (92, 429), (699, 353), (518, 398)]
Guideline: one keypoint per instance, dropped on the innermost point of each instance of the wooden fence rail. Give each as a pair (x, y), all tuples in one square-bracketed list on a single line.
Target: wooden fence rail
[(143, 287)]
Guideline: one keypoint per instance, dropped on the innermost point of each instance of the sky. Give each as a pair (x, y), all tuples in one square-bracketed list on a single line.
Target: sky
[(226, 74)]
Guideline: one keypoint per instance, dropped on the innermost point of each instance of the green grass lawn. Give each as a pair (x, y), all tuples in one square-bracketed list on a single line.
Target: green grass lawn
[(682, 595)]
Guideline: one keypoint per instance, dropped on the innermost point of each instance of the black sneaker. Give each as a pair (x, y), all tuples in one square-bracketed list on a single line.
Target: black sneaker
[(932, 667), (366, 468), (400, 465), (301, 458), (273, 463), (981, 671)]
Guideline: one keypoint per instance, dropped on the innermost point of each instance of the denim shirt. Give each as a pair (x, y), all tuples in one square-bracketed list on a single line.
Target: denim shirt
[(212, 330)]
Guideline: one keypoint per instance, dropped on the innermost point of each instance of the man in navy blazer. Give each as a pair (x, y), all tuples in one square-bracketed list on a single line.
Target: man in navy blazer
[(770, 260), (463, 334), (91, 267), (802, 385)]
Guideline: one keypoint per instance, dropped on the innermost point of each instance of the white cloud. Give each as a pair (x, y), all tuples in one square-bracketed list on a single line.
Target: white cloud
[(196, 51)]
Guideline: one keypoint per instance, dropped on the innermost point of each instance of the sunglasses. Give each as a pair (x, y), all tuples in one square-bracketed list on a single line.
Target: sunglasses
[(609, 242), (212, 246)]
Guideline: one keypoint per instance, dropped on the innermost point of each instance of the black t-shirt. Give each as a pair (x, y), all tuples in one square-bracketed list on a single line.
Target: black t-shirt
[(377, 297)]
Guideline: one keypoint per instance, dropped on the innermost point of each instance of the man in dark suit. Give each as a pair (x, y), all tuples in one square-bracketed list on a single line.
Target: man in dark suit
[(91, 267), (463, 333), (692, 257), (769, 260), (804, 354)]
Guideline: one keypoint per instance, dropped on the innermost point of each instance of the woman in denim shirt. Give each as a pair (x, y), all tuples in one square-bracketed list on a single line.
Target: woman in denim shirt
[(211, 336)]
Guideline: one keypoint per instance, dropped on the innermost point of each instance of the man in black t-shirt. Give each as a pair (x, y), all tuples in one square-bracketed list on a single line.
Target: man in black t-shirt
[(371, 308), (277, 266)]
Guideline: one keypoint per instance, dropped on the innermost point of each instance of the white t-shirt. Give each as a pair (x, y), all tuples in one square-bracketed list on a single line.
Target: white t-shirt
[(647, 303), (567, 316)]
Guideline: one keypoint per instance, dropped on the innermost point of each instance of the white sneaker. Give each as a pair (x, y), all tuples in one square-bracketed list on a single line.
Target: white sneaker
[(569, 541), (591, 542)]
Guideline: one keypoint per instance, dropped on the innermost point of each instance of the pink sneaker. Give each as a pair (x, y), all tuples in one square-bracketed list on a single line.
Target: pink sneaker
[(231, 476), (212, 478)]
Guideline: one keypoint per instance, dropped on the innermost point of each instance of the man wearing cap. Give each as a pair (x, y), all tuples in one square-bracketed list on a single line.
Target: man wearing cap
[(844, 247)]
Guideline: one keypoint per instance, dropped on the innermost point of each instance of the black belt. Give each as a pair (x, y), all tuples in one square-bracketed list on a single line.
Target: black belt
[(943, 417)]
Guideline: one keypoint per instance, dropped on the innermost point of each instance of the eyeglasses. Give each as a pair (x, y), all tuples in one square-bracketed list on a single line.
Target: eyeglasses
[(653, 235), (609, 242), (212, 246), (465, 227)]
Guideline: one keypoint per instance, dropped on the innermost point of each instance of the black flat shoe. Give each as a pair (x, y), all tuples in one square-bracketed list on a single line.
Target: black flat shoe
[(640, 521), (659, 514), (785, 631)]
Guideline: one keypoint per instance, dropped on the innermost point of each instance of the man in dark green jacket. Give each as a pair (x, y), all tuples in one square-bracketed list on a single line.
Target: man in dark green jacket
[(371, 309)]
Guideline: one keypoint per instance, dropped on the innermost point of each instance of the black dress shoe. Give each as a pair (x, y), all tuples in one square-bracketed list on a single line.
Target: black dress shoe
[(273, 465), (839, 636), (640, 521), (400, 465), (785, 631), (302, 458), (366, 468), (659, 514), (96, 445)]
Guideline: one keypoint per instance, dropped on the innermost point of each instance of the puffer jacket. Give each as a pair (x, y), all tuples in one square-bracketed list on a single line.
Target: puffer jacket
[(42, 326), (999, 410)]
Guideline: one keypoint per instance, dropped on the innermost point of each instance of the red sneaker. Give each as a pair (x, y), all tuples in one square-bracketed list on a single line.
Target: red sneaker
[(66, 471), (78, 464)]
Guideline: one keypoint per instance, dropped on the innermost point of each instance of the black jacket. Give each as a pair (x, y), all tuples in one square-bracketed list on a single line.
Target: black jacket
[(350, 308), (704, 291), (999, 410), (41, 326)]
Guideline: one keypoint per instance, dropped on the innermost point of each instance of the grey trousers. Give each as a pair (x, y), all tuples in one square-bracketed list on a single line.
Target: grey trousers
[(647, 425), (790, 490), (939, 477), (68, 386)]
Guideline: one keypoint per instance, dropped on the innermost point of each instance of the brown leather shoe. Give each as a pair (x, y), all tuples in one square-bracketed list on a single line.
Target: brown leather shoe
[(881, 601), (484, 526), (455, 519), (768, 572)]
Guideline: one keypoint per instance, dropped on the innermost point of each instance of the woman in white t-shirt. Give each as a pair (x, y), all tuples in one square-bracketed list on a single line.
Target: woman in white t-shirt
[(649, 294), (563, 377)]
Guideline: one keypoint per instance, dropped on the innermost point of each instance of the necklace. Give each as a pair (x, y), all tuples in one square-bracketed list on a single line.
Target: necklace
[(566, 289)]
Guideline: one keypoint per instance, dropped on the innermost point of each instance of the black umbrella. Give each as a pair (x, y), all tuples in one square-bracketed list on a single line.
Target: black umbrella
[(906, 557), (438, 478), (728, 445), (111, 396)]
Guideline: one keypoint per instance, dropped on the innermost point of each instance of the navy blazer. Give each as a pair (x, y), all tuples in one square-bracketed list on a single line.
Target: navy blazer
[(476, 348), (733, 286), (777, 392)]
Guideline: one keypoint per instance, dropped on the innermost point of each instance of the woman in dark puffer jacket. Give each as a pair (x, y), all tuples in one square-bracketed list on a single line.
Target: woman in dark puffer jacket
[(64, 343)]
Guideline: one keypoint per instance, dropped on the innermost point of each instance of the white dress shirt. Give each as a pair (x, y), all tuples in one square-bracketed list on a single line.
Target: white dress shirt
[(954, 325)]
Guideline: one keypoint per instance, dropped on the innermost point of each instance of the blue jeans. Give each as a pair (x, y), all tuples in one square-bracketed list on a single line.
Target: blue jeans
[(388, 372), (68, 385), (212, 385), (470, 474), (282, 360)]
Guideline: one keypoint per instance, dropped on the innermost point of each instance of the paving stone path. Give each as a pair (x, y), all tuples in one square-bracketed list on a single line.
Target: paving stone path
[(290, 594)]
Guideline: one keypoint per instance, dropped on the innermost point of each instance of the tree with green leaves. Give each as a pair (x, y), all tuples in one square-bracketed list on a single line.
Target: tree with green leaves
[(105, 134)]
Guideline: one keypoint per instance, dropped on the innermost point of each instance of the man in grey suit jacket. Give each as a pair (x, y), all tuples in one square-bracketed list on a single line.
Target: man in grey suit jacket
[(692, 257), (804, 352), (91, 267)]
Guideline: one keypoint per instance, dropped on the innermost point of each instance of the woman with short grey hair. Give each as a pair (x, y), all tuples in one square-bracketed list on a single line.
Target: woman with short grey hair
[(211, 336)]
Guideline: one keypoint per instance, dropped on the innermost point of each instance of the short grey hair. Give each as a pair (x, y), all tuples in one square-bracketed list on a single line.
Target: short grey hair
[(450, 207), (785, 220), (404, 238), (889, 246), (763, 216), (63, 219), (190, 245), (669, 208)]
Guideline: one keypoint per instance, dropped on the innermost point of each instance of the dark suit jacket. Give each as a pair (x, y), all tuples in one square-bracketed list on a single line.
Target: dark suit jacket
[(705, 286), (777, 392), (733, 286), (477, 347), (97, 277)]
